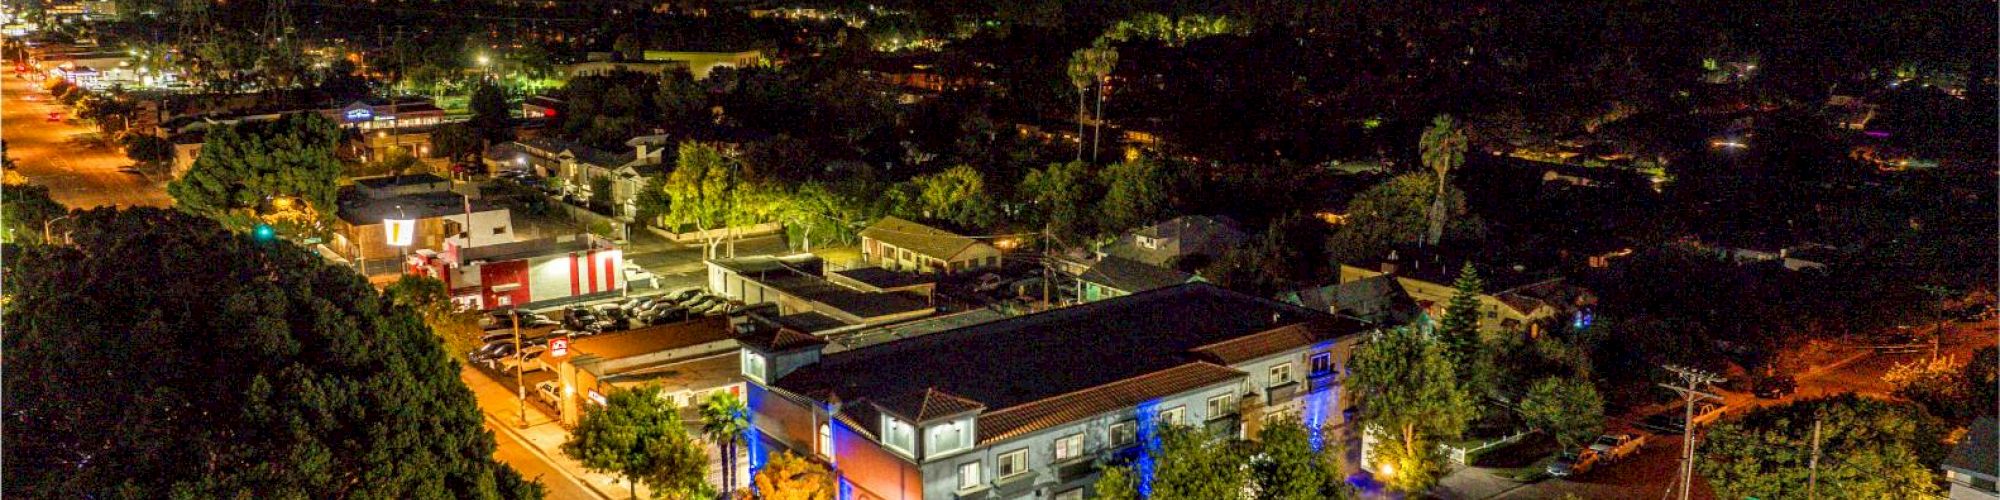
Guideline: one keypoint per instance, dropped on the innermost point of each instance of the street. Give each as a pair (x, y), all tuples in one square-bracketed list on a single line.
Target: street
[(78, 172)]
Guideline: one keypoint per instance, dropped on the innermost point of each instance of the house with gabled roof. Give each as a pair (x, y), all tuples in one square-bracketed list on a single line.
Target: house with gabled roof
[(1031, 406), (900, 244)]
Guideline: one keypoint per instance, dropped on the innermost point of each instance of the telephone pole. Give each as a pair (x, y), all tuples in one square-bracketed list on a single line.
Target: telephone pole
[(1691, 382), (1812, 474)]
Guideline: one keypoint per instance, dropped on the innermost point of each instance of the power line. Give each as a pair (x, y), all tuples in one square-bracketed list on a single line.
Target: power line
[(1692, 381)]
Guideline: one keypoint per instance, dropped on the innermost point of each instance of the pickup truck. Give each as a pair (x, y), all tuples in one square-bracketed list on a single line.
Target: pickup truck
[(1615, 447), (1573, 464)]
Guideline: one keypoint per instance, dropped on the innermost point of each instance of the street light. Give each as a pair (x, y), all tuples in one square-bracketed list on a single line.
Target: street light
[(46, 225)]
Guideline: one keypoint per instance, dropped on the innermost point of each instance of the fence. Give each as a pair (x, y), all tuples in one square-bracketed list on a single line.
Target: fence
[(766, 228), (1463, 455)]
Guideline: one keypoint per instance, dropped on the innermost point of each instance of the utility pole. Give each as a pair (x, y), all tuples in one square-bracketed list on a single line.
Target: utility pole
[(1942, 294), (1812, 474), (1690, 389), (520, 391)]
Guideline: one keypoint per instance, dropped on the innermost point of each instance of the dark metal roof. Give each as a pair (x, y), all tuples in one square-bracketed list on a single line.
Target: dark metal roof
[(1132, 276), (1977, 453), (1029, 359)]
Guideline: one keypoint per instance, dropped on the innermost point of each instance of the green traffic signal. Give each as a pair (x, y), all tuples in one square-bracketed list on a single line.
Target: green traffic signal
[(264, 232)]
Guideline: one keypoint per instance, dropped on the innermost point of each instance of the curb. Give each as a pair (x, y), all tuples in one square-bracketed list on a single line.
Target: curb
[(495, 422)]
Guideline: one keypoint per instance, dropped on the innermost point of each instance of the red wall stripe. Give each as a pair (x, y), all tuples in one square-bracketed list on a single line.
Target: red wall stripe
[(575, 282), (610, 271), (590, 261)]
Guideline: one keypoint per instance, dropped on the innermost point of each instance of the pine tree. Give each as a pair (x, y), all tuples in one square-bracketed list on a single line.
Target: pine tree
[(1460, 326)]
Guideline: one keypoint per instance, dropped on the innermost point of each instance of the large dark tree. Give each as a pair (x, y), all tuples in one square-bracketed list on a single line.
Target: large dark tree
[(283, 171), (489, 113), (161, 356)]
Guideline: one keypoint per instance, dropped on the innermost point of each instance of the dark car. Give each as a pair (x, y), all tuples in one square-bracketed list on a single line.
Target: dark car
[(1775, 387)]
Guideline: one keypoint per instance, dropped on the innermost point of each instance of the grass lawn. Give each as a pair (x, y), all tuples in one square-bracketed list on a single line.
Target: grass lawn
[(1526, 460)]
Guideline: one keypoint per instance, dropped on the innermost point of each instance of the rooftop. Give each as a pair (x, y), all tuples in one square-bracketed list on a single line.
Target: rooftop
[(1131, 275), (652, 339), (362, 211), (1441, 269), (883, 278), (1064, 352), (1380, 300), (390, 181), (682, 374), (524, 249), (798, 276), (919, 238), (1976, 454)]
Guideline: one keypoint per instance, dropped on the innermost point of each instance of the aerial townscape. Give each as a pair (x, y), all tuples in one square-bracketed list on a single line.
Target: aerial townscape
[(1017, 249)]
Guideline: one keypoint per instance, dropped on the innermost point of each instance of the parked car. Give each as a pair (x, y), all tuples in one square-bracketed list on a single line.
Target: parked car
[(486, 353), (1670, 420), (525, 362), (681, 295), (1775, 387), (697, 300), (1573, 463), (547, 392), (1615, 447)]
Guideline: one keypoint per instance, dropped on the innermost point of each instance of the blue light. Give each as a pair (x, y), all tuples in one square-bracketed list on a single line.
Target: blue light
[(752, 446), (1149, 439), (264, 232), (846, 489), (1318, 404)]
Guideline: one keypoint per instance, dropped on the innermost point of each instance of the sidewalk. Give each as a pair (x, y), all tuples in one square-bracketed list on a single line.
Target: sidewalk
[(543, 435)]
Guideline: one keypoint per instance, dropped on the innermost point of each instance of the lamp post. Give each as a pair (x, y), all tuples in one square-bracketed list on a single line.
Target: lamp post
[(47, 225)]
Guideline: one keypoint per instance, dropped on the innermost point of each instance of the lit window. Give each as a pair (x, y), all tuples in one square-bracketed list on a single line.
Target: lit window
[(753, 366), (1013, 463), (968, 476), (947, 437), (1173, 416), (1322, 363), (826, 440), (1124, 433), (1281, 374), (898, 435), (1219, 406), (1069, 447)]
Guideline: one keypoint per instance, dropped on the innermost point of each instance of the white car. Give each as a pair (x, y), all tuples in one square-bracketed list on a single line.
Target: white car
[(526, 362), (1614, 447), (546, 391)]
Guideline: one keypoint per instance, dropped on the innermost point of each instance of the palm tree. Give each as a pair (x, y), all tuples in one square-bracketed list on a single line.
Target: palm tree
[(1081, 76), (1103, 58), (1442, 148), (724, 418)]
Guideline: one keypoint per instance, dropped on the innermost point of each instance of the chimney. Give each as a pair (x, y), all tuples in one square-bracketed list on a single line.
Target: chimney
[(1389, 263)]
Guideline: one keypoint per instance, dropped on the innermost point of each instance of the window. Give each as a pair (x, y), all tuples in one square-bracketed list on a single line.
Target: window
[(968, 476), (1149, 243), (500, 230), (1124, 433), (899, 435), (1069, 447), (753, 366), (1070, 494), (947, 437), (826, 439), (1172, 416), (1281, 374), (1013, 463), (1219, 406), (1322, 363)]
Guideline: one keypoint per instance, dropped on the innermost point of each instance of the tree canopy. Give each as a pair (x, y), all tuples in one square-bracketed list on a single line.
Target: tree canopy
[(1393, 213), (1868, 449), (637, 435), (1569, 410), (25, 211), (792, 477), (1414, 401), (207, 365), (245, 168)]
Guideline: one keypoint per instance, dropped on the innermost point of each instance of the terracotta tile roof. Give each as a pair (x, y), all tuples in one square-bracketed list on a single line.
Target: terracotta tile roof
[(1277, 340), (1065, 408), (929, 404), (780, 340), (650, 339)]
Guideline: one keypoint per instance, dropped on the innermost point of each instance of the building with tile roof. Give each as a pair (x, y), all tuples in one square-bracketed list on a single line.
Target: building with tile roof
[(1025, 407), (1164, 243), (899, 244)]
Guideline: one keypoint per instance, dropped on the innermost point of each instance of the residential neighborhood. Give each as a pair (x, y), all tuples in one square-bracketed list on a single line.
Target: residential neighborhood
[(1019, 250)]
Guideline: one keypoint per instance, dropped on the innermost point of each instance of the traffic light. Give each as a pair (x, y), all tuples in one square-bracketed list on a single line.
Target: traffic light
[(264, 233)]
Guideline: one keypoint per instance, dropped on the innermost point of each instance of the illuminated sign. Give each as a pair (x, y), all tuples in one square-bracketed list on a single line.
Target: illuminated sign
[(559, 346), (360, 114), (401, 232)]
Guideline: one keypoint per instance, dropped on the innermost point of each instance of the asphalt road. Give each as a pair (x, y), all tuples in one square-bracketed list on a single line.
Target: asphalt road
[(78, 173), (513, 453)]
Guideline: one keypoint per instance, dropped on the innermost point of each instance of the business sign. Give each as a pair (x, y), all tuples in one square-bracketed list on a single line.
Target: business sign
[(401, 232), (361, 114), (559, 346)]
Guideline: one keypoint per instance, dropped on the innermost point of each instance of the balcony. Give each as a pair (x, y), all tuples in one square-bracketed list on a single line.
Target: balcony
[(1282, 392), (1225, 425), (1075, 467)]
